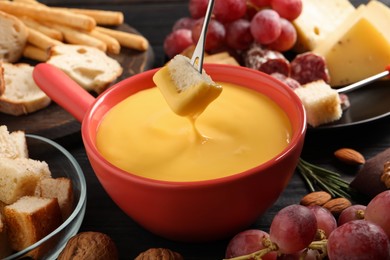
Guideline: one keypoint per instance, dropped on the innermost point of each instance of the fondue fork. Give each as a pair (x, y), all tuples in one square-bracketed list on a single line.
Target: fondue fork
[(365, 81), (198, 55)]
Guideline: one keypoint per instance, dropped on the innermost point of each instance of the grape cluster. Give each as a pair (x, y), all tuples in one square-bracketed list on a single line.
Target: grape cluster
[(311, 232), (236, 24)]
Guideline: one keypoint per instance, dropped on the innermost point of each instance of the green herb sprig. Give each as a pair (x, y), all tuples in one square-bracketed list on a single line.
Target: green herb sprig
[(319, 178)]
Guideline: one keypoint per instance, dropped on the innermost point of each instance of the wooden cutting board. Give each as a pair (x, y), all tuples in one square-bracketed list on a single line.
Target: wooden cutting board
[(54, 122)]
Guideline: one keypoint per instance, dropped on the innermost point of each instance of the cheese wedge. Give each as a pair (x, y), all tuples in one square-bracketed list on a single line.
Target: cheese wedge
[(360, 47), (186, 91), (318, 20)]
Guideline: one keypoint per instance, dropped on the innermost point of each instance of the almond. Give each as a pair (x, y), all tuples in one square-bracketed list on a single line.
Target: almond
[(337, 205), (350, 156), (316, 198)]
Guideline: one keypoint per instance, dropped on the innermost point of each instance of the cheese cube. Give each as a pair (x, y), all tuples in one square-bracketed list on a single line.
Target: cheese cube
[(186, 91), (318, 20)]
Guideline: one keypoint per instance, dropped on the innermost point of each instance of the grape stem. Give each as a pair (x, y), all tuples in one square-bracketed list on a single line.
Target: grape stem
[(269, 246), (320, 178)]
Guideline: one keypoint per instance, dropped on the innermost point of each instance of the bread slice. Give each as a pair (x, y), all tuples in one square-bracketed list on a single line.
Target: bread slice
[(19, 177), (21, 95), (60, 188), (321, 102), (186, 91), (90, 67), (30, 219), (13, 37), (12, 145)]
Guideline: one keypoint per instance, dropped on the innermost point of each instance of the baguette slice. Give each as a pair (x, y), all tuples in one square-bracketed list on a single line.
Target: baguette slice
[(30, 219), (13, 37), (186, 91), (90, 67), (12, 145), (21, 95), (19, 177)]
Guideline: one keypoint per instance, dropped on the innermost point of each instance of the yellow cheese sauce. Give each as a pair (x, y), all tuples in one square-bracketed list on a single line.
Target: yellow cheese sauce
[(240, 130)]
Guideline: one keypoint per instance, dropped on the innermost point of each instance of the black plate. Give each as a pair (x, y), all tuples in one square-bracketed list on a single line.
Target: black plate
[(369, 103)]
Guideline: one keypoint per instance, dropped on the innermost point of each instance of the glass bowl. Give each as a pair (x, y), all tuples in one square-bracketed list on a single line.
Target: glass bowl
[(61, 164)]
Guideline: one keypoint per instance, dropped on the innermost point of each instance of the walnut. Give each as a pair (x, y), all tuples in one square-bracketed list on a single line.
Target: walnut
[(385, 177), (159, 254), (89, 246)]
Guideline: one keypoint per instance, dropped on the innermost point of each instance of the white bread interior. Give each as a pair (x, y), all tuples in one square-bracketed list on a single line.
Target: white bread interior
[(90, 67), (60, 188), (321, 102), (19, 177), (13, 145), (21, 95)]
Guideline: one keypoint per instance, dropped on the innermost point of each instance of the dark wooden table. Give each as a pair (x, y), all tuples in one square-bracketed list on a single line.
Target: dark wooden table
[(153, 19)]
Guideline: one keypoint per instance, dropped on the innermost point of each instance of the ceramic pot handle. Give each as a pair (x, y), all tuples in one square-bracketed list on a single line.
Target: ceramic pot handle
[(63, 90)]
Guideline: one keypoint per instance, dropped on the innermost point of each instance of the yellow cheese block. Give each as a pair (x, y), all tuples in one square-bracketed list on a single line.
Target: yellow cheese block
[(319, 19), (186, 91), (360, 47)]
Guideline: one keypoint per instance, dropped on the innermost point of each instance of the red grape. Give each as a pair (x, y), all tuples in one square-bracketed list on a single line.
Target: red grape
[(358, 239), (353, 212), (183, 23), (287, 37), (198, 8), (266, 26), (238, 34), (293, 228), (215, 36), (289, 9), (325, 219), (260, 3), (247, 242), (377, 211), (229, 10), (177, 41)]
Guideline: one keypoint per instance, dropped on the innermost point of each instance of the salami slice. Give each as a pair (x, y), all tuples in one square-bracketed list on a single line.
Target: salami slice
[(292, 83), (267, 61), (307, 67)]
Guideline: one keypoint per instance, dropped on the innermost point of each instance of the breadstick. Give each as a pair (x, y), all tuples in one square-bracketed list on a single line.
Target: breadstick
[(77, 37), (129, 40), (113, 45), (52, 33), (42, 13), (35, 53), (31, 2), (41, 40), (101, 17)]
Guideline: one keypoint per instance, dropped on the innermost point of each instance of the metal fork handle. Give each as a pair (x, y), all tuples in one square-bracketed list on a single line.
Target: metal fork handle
[(198, 55)]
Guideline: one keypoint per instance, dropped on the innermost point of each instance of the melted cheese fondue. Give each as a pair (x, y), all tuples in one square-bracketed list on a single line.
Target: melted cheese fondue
[(239, 130)]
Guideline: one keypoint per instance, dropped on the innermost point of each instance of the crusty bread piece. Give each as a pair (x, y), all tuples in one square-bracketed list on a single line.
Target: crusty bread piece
[(12, 145), (186, 91), (90, 67), (13, 37), (29, 219), (60, 188), (321, 102), (21, 95), (19, 177)]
